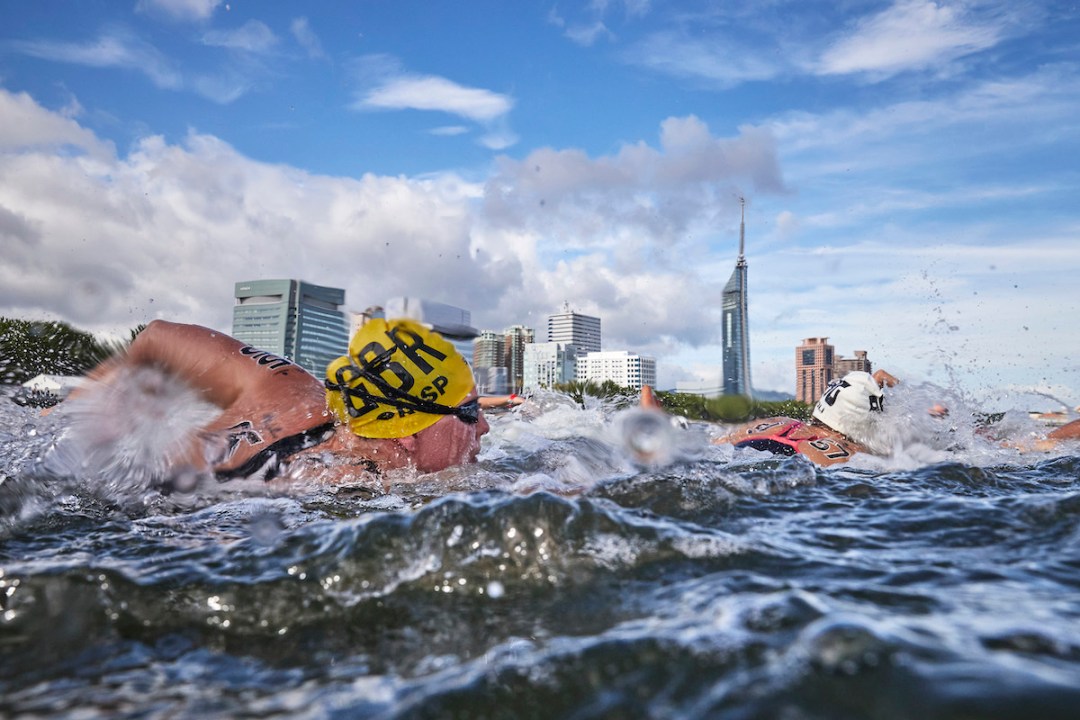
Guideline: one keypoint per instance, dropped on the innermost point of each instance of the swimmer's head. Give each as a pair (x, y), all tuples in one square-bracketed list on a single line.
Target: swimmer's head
[(398, 379), (850, 404)]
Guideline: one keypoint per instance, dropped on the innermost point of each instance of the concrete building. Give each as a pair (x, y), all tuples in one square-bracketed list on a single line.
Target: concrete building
[(549, 364), (292, 318), (489, 363), (736, 323), (813, 369), (571, 328), (515, 340), (859, 363), (506, 350), (816, 364), (623, 368), (488, 349)]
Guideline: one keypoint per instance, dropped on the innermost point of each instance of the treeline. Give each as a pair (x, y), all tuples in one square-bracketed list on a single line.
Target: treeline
[(729, 408), (29, 348)]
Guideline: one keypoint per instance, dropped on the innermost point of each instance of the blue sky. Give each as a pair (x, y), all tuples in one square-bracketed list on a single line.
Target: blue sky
[(910, 169)]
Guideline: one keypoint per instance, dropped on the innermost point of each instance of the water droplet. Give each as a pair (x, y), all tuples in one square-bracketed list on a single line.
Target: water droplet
[(266, 529), (186, 480), (495, 589)]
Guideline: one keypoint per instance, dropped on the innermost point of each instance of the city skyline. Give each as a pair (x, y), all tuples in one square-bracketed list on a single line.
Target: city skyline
[(907, 167)]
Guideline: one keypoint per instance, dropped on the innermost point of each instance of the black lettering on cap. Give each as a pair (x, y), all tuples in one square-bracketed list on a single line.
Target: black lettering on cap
[(371, 352), (413, 350)]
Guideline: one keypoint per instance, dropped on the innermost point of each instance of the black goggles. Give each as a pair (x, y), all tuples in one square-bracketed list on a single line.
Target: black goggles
[(468, 412)]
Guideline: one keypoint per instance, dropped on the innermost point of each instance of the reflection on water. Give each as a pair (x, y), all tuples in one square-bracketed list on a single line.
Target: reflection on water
[(593, 564)]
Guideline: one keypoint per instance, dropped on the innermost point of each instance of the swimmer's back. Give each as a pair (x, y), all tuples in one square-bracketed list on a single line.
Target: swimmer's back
[(787, 436)]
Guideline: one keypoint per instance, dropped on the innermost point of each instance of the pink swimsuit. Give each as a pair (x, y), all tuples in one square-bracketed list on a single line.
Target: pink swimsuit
[(772, 436)]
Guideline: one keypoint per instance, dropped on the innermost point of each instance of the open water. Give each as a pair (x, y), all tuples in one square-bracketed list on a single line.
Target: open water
[(584, 568)]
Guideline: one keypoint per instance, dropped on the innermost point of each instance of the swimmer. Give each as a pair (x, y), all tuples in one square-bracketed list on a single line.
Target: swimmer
[(843, 424), (846, 412), (402, 397)]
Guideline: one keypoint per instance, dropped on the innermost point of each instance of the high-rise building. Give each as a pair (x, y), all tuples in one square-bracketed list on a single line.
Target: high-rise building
[(816, 364), (813, 369), (488, 349), (499, 359), (623, 368), (292, 318), (489, 364), (736, 323), (571, 328), (549, 364), (515, 340)]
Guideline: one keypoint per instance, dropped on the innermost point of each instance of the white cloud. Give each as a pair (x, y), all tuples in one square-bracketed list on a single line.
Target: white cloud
[(301, 30), (686, 184), (433, 93), (28, 126), (910, 35), (253, 36), (108, 242), (643, 237), (590, 26), (721, 61), (386, 86), (117, 48), (179, 9), (587, 35)]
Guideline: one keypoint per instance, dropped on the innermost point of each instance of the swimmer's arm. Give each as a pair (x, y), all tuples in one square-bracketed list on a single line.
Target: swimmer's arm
[(280, 399), (491, 402), (207, 360), (1070, 431), (201, 357), (740, 432)]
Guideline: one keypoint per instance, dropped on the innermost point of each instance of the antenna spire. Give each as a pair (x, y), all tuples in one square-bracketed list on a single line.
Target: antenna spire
[(742, 231)]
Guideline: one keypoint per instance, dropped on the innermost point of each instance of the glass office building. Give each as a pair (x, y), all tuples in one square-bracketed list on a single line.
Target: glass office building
[(294, 319), (736, 325)]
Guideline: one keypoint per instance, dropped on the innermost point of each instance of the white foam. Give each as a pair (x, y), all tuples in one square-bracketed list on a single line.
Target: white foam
[(128, 434)]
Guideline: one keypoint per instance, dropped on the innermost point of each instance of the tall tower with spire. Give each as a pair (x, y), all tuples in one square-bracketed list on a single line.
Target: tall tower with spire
[(736, 324)]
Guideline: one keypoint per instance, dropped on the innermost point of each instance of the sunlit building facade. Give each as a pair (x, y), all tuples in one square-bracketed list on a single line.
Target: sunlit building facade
[(816, 364), (621, 367)]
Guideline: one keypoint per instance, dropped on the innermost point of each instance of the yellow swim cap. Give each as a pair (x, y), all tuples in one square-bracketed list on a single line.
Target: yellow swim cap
[(398, 378)]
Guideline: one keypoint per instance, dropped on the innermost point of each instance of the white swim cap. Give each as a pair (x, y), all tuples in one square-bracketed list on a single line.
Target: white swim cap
[(847, 404)]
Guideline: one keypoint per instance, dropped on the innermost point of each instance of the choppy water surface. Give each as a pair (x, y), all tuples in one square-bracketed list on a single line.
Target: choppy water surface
[(557, 578)]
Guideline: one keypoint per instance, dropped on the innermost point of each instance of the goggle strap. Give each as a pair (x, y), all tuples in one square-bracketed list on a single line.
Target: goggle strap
[(393, 396)]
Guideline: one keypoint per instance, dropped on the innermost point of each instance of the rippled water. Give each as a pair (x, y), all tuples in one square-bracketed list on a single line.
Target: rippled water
[(558, 578)]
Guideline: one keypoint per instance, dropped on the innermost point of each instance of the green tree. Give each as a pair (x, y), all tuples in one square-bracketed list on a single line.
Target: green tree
[(29, 348), (729, 408)]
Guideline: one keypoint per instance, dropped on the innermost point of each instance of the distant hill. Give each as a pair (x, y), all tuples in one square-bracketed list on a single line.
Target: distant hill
[(772, 396)]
